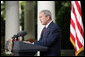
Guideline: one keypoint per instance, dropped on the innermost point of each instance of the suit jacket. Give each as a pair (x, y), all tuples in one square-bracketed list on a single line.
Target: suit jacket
[(50, 39)]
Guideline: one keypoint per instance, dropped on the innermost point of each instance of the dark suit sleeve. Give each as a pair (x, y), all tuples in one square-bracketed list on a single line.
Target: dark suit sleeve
[(50, 37)]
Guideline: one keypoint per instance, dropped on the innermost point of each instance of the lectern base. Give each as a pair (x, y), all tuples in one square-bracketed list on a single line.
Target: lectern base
[(25, 49)]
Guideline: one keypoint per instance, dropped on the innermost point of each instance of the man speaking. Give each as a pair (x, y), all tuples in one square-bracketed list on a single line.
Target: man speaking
[(50, 35)]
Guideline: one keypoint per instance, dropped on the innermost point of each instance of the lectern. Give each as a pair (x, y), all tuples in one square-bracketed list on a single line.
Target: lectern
[(25, 49)]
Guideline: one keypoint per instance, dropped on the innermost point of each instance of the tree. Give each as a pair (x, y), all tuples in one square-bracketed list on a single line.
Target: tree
[(63, 20)]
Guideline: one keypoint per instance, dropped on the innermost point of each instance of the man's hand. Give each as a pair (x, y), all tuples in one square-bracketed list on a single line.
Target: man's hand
[(26, 41)]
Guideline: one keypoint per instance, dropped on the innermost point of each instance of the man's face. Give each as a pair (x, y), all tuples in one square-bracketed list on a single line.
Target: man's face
[(43, 18)]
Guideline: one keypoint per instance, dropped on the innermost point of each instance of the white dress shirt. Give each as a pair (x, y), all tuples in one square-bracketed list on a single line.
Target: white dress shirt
[(48, 24)]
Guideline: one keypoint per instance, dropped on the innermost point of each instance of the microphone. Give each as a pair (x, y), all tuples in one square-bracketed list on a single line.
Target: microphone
[(22, 33), (15, 38)]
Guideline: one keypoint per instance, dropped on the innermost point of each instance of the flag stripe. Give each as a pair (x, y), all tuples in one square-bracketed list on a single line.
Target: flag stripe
[(77, 30), (72, 31), (79, 3), (79, 35), (72, 37), (73, 17), (76, 27), (78, 42), (78, 15), (72, 23), (77, 48), (78, 7)]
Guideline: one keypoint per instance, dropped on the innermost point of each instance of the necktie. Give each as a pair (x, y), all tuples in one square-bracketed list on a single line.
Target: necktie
[(44, 30)]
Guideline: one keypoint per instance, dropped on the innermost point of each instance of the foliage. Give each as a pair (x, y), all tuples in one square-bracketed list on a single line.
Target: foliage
[(22, 4), (31, 40), (63, 20), (3, 10), (2, 27), (3, 19)]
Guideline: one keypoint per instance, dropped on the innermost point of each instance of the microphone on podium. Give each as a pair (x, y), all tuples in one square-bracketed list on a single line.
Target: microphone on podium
[(21, 33)]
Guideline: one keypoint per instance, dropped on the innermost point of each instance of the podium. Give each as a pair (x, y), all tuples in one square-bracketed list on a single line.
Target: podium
[(25, 49)]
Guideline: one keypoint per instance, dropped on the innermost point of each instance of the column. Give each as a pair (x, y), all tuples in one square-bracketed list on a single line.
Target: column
[(29, 20), (12, 19), (44, 5)]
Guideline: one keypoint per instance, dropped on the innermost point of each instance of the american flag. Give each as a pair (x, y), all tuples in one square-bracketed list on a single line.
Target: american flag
[(76, 27)]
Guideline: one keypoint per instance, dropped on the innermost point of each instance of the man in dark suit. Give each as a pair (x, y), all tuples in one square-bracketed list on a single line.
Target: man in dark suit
[(50, 35)]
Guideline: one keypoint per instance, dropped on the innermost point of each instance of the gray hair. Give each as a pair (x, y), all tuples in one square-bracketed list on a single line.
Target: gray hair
[(47, 13)]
